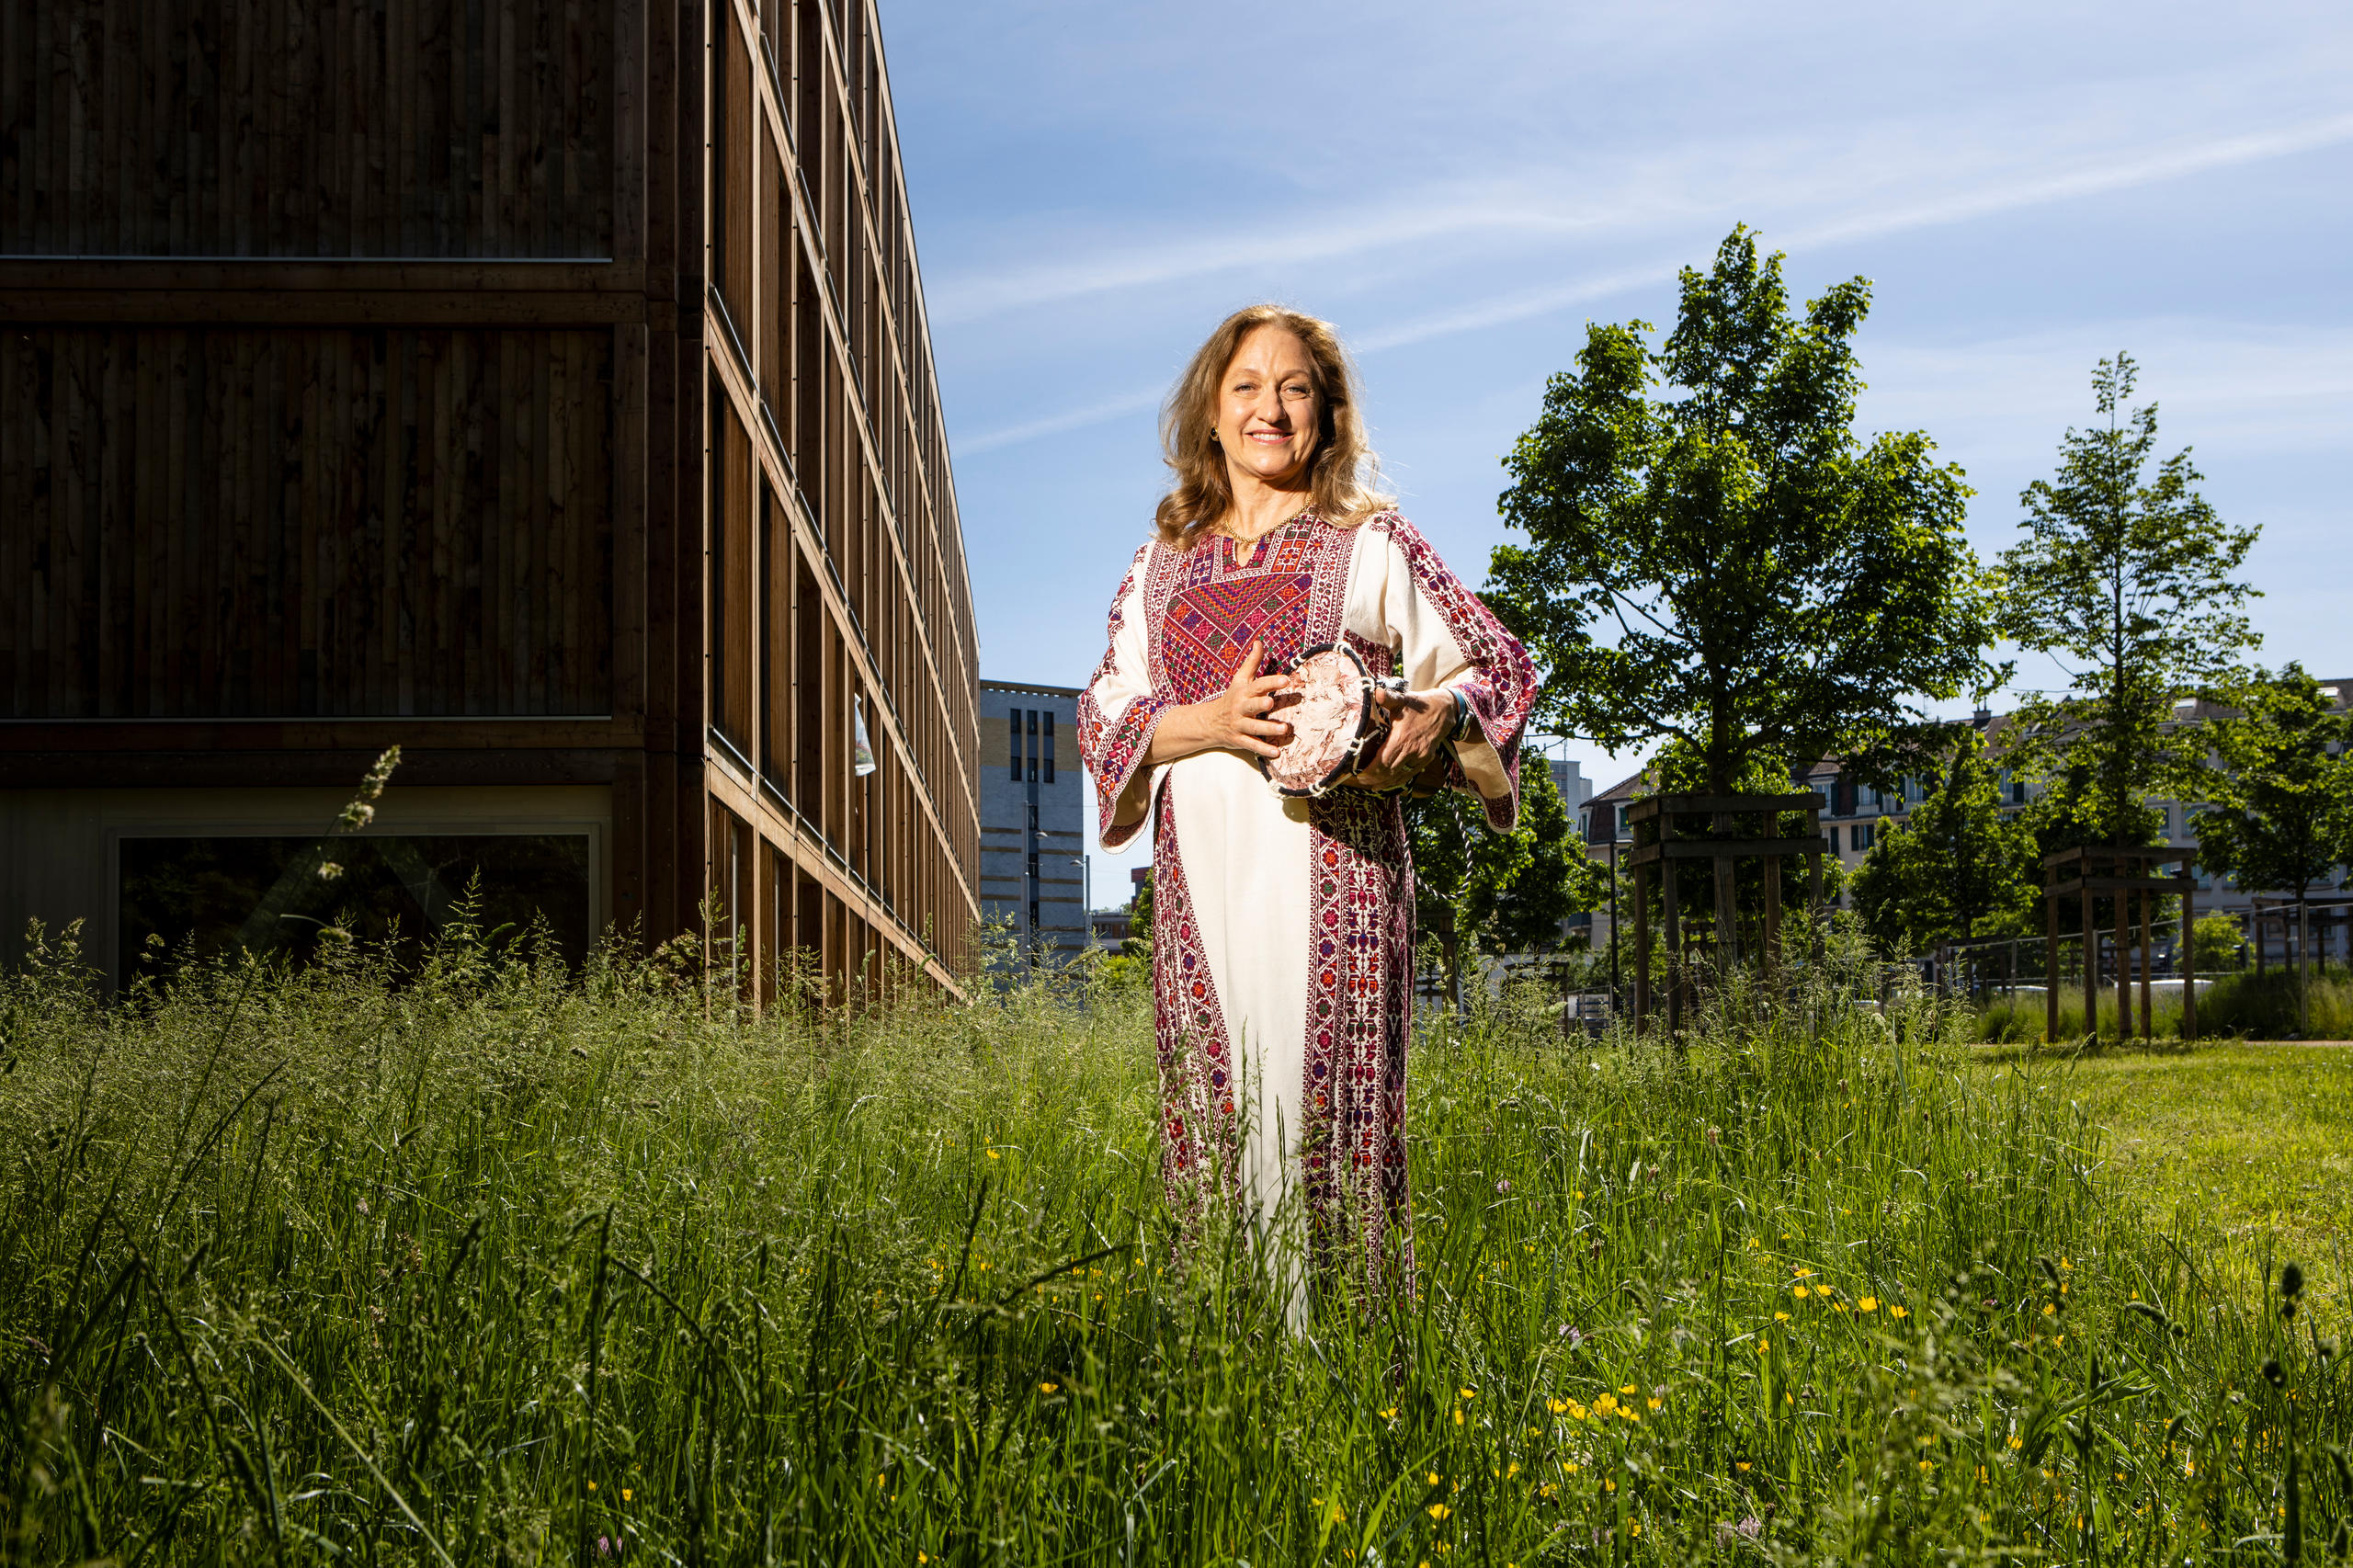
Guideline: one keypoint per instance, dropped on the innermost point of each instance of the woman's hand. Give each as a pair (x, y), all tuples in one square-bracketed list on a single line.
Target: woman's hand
[(1238, 719), (1420, 723), (1243, 719)]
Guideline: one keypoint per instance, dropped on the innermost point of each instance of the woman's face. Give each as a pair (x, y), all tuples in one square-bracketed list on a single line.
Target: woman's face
[(1269, 414)]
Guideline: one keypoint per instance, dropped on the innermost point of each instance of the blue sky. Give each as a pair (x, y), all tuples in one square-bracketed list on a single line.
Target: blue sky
[(1462, 187)]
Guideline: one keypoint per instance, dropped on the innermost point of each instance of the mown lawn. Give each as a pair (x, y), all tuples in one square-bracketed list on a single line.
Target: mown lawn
[(2251, 1144)]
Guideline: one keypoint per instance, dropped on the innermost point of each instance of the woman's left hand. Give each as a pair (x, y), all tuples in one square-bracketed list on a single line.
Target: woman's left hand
[(1420, 722)]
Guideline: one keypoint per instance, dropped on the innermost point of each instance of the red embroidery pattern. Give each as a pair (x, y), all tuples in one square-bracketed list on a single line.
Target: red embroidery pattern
[(1209, 628), (1114, 751), (1200, 1147), (1206, 606), (1360, 989), (1503, 690)]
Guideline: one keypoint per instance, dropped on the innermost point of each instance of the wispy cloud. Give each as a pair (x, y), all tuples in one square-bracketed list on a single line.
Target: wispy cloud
[(1404, 221), (1057, 424), (1955, 207), (1986, 198), (2094, 180)]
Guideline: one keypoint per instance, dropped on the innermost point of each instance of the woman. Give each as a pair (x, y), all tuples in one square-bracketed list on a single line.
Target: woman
[(1282, 929)]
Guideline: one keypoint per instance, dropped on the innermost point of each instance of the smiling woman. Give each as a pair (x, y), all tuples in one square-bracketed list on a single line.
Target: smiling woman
[(1282, 928)]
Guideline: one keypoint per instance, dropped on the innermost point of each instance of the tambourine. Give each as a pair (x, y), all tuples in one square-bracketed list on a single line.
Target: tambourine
[(1336, 726)]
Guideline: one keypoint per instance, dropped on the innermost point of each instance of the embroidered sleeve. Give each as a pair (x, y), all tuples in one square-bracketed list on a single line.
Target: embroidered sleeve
[(1119, 709), (1448, 638)]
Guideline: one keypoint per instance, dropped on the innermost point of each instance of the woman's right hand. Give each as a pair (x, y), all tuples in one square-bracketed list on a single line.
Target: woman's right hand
[(1239, 719), (1242, 719)]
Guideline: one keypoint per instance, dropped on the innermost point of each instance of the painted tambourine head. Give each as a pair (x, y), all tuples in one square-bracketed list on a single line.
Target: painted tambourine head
[(1334, 724)]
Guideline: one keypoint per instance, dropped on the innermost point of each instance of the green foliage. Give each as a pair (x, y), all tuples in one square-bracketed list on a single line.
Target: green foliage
[(2282, 816), (1769, 583), (485, 1265), (1138, 943), (1958, 868), (1475, 890), (2217, 944), (2125, 577)]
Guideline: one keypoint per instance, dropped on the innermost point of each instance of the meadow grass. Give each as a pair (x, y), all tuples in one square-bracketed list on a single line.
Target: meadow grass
[(490, 1264)]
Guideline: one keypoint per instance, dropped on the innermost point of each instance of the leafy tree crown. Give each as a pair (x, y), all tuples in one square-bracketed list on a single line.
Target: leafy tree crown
[(1767, 582)]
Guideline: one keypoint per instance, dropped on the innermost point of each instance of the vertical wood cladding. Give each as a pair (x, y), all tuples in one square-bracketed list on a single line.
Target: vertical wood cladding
[(273, 523), (298, 127), (695, 480), (821, 364)]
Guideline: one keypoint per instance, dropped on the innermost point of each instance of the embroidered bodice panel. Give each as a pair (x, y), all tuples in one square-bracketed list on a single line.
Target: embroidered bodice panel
[(1224, 595)]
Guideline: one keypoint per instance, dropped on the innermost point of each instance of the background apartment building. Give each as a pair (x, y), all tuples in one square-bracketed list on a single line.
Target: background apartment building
[(544, 389), (1034, 817)]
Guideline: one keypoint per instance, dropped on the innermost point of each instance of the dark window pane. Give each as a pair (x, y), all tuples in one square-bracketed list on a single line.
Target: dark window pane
[(267, 893), (1049, 747)]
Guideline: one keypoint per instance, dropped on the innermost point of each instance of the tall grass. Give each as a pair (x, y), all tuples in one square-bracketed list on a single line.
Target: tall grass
[(2245, 1006), (498, 1266)]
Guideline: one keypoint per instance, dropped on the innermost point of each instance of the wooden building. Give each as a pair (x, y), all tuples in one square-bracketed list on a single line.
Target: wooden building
[(545, 390)]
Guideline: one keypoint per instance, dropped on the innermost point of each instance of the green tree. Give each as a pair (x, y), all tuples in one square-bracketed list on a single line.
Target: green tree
[(1138, 941), (2217, 944), (2282, 788), (2124, 577), (1477, 890), (1957, 868), (1769, 584)]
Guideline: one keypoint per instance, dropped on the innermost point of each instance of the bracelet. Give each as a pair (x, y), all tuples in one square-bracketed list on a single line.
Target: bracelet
[(1461, 714)]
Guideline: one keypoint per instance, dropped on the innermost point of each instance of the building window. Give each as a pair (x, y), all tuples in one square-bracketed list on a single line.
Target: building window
[(1859, 835), (1013, 746), (212, 896), (1033, 745), (1049, 747)]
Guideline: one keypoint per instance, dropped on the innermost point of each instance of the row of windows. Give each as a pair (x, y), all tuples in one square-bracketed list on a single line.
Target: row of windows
[(1029, 743)]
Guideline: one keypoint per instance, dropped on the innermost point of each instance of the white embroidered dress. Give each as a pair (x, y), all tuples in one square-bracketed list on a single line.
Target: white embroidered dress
[(1282, 929)]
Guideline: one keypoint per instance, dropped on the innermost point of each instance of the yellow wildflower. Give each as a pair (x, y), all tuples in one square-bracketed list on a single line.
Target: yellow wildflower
[(1438, 1510), (1867, 1304)]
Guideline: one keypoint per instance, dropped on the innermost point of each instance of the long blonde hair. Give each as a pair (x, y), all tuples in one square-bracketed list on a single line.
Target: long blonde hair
[(1344, 474)]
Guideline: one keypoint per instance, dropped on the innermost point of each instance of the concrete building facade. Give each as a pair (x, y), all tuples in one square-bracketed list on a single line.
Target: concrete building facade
[(1034, 817)]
